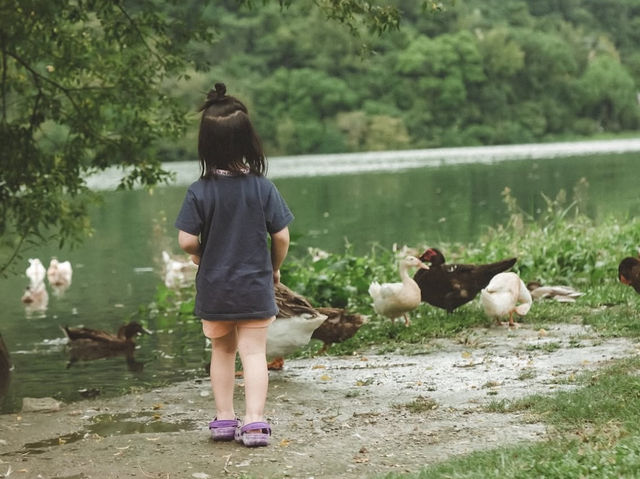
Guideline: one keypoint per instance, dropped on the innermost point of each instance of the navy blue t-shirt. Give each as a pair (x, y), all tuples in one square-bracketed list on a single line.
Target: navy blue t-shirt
[(233, 215)]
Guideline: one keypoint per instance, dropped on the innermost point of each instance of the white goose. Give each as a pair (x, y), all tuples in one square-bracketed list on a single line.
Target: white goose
[(505, 294), (35, 272), (59, 275), (397, 299)]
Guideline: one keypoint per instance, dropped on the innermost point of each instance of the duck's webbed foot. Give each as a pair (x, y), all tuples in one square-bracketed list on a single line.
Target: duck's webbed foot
[(276, 365)]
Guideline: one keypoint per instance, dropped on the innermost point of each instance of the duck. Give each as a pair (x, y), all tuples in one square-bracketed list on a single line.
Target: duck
[(294, 324), (629, 272), (35, 298), (88, 344), (449, 286), (59, 275), (560, 293), (35, 272), (505, 295), (339, 326), (177, 272), (397, 299)]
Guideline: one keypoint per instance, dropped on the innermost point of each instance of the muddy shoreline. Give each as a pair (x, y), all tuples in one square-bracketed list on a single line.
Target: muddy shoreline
[(349, 417)]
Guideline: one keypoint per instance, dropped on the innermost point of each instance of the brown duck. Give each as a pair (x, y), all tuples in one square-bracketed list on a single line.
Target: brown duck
[(298, 322), (87, 344), (449, 286), (629, 272), (339, 326)]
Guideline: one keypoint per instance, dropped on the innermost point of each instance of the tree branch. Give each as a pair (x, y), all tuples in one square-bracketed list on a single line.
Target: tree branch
[(141, 35), (36, 74), (13, 256)]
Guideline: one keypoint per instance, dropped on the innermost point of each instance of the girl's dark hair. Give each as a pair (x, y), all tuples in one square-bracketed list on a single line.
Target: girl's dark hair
[(227, 140)]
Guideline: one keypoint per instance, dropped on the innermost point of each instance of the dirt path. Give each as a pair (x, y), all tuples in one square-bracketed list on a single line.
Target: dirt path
[(347, 417)]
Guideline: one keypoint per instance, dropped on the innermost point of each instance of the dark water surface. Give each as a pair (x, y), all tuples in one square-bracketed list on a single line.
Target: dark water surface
[(120, 267)]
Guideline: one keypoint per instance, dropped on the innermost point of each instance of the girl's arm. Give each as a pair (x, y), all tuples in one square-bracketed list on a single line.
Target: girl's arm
[(190, 244), (279, 249)]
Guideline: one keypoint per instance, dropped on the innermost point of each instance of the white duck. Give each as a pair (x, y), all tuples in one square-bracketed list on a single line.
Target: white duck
[(59, 275), (177, 273), (560, 293), (397, 299), (35, 272), (505, 294), (35, 298), (292, 329)]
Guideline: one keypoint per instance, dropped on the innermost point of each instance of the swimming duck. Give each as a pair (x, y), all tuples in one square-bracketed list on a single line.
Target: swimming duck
[(35, 272), (339, 326), (560, 293), (449, 286), (35, 298), (397, 299), (177, 273), (88, 344), (59, 275), (505, 295), (293, 326), (629, 272)]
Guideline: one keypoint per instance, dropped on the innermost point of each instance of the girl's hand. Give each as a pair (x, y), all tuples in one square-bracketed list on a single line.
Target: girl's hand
[(276, 276), (195, 258)]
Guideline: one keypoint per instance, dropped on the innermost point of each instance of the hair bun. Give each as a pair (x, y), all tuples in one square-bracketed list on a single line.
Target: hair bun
[(221, 89)]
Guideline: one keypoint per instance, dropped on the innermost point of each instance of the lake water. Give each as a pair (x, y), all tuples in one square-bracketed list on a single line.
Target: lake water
[(414, 198)]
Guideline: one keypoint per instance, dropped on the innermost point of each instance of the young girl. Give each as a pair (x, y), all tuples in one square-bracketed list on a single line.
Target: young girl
[(224, 222)]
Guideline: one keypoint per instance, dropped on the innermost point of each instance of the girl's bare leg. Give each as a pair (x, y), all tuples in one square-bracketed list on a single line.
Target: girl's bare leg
[(222, 373), (252, 346)]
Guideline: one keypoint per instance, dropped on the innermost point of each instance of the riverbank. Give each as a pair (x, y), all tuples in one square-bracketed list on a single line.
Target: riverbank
[(348, 417), (371, 161)]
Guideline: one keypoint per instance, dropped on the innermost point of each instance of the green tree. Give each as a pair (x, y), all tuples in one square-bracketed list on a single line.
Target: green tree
[(83, 85), (608, 93)]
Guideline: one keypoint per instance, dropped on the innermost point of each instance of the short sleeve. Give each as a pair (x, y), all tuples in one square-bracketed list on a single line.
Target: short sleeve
[(189, 218), (277, 213)]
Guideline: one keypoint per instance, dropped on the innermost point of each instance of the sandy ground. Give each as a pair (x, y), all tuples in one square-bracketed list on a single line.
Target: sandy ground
[(332, 417)]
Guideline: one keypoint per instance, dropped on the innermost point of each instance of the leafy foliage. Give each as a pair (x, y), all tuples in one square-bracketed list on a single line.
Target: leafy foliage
[(71, 105), (87, 85)]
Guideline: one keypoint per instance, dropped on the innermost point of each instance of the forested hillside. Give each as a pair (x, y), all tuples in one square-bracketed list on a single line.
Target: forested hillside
[(480, 72)]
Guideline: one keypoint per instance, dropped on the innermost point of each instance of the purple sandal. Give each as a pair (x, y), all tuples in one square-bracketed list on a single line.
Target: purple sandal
[(223, 429), (253, 439)]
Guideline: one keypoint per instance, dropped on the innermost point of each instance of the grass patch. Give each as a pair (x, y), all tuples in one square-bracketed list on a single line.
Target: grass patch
[(419, 405), (548, 347)]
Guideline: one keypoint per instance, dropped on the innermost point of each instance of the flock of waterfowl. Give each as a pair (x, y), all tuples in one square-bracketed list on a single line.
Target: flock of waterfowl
[(503, 295), (58, 274)]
